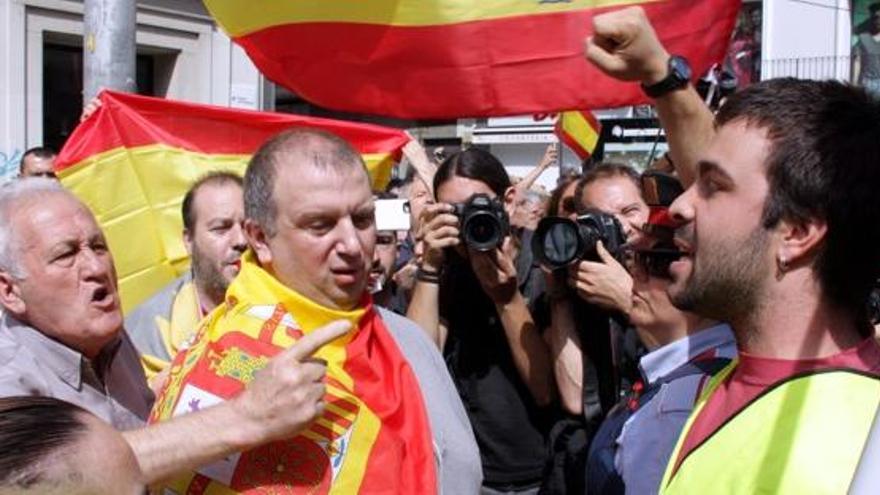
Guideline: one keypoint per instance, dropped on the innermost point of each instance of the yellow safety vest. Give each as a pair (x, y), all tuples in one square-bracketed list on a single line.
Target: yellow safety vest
[(803, 435)]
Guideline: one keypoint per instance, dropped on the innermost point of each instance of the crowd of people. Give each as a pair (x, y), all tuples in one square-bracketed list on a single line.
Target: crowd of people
[(693, 330)]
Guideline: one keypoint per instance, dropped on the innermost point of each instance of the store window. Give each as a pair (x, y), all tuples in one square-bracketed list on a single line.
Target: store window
[(63, 87)]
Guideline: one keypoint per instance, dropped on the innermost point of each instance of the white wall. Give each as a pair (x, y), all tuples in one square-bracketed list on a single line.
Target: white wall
[(208, 67), (817, 32)]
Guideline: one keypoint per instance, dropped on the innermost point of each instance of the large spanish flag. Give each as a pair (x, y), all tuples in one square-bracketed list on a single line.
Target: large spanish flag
[(133, 160), (457, 58), (373, 436)]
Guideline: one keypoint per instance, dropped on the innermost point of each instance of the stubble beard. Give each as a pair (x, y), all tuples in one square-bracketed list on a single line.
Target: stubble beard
[(729, 285), (208, 276)]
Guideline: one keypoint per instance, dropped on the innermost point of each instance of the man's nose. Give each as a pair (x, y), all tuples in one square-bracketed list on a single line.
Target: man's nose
[(95, 264), (239, 241), (348, 243), (681, 211)]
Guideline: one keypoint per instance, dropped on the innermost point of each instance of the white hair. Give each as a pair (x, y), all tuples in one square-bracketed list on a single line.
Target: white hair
[(11, 194)]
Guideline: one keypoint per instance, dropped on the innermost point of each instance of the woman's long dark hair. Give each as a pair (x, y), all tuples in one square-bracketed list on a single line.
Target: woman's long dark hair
[(476, 164)]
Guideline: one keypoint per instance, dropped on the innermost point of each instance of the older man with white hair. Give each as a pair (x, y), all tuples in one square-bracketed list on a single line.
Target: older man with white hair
[(61, 336)]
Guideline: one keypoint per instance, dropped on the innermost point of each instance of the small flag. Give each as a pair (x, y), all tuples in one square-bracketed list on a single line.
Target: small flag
[(580, 131)]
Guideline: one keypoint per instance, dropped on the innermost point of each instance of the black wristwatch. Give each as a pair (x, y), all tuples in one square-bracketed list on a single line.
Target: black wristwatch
[(678, 76)]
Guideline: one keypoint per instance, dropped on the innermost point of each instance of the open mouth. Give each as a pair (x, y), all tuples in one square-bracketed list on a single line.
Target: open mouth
[(102, 296), (683, 246)]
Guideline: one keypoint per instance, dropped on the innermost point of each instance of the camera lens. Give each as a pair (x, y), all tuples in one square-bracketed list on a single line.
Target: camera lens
[(482, 232), (561, 243)]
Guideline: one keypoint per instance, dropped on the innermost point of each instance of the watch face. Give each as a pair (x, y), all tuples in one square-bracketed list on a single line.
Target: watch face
[(680, 67)]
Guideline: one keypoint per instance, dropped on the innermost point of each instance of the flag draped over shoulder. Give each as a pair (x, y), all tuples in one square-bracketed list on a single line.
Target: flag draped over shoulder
[(580, 131), (373, 436), (457, 58), (134, 159)]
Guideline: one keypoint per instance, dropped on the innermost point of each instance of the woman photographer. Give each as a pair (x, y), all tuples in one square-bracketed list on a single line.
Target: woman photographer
[(474, 304)]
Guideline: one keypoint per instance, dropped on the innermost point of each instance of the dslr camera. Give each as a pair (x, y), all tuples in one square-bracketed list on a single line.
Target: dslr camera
[(559, 241), (484, 223)]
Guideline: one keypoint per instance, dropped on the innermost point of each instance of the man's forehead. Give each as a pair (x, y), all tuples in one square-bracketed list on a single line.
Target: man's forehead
[(308, 176), (33, 162), (225, 195), (739, 148), (46, 218), (614, 187)]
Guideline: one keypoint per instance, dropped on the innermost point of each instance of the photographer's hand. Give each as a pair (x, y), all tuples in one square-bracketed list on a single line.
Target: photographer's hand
[(439, 230), (606, 284), (496, 271)]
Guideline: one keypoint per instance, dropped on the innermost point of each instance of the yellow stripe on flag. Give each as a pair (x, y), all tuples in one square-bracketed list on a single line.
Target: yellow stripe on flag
[(241, 18), (575, 125)]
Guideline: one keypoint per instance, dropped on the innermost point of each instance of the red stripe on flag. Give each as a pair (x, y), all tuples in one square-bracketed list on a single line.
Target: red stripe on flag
[(336, 419), (127, 120), (343, 404), (515, 65)]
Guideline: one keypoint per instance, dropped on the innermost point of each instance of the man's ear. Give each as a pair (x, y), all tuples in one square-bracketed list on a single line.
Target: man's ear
[(509, 199), (258, 241), (800, 240), (188, 241), (10, 294)]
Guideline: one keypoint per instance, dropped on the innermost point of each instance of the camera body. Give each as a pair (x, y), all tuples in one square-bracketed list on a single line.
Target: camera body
[(559, 241), (484, 222)]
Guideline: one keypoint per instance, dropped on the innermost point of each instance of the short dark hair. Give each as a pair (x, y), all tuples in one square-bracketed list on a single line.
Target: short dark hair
[(604, 170), (43, 152), (823, 162), (210, 179), (32, 429), (319, 148), (476, 164)]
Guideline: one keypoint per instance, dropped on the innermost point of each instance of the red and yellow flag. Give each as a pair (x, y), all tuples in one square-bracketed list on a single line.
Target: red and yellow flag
[(580, 131), (457, 58), (373, 436), (133, 160)]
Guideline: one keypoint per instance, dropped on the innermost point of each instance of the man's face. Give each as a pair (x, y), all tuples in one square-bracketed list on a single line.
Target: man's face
[(619, 196), (652, 309), (419, 197), (325, 233), (384, 257), (728, 253), (217, 237), (34, 166), (69, 288)]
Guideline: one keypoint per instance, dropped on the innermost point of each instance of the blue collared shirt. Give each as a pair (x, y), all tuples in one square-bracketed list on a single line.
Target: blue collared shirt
[(649, 435)]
